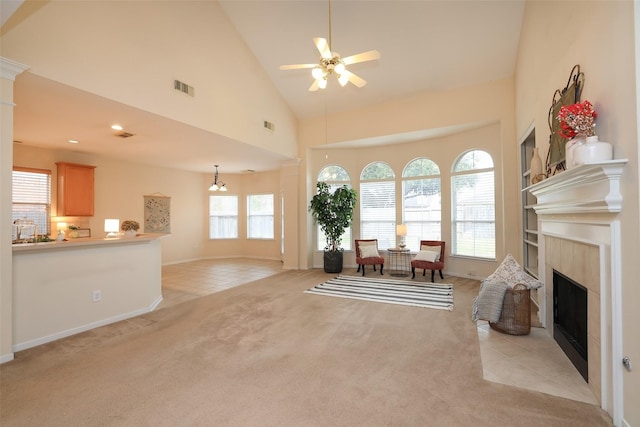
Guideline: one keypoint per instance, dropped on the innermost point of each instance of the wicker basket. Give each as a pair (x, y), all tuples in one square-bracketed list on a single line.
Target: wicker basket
[(515, 318)]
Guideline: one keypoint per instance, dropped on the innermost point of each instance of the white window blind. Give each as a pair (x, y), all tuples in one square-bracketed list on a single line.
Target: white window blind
[(473, 200), (421, 202), (223, 217), (422, 210), (31, 197), (260, 216), (378, 204)]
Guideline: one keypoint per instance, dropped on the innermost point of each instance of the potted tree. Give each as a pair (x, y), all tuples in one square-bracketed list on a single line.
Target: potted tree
[(334, 213)]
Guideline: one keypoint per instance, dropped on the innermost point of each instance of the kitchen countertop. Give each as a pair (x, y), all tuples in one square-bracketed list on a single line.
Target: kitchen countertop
[(84, 242)]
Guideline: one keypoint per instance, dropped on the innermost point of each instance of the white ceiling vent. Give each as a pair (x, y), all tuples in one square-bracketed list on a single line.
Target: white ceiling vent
[(269, 126), (184, 88)]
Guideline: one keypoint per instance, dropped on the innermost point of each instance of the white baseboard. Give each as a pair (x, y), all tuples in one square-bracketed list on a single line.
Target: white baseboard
[(6, 358), (83, 328)]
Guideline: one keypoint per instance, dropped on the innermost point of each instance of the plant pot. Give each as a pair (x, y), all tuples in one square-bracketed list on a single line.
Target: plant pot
[(333, 261)]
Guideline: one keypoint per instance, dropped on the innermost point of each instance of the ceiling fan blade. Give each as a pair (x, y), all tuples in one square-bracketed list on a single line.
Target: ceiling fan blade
[(323, 47), (358, 81), (297, 66), (361, 57), (314, 87)]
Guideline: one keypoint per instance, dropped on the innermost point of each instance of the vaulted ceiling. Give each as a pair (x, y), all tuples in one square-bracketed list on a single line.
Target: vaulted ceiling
[(424, 45)]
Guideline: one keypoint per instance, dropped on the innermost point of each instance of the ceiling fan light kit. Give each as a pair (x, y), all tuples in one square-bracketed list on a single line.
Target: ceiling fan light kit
[(332, 63)]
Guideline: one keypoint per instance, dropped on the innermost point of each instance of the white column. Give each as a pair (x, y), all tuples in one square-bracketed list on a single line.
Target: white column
[(8, 72)]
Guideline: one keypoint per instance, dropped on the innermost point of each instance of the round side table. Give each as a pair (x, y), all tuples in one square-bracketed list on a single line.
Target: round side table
[(399, 262)]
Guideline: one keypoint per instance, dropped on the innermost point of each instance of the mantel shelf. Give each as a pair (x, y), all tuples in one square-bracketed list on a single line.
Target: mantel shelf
[(589, 188)]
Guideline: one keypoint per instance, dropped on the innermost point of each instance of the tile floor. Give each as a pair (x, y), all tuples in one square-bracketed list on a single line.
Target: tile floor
[(189, 280), (533, 361)]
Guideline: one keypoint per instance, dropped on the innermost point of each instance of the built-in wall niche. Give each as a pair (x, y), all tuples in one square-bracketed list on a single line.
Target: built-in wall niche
[(529, 216)]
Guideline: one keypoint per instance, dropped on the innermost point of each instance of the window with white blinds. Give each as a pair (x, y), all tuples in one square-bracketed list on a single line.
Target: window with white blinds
[(421, 202), (335, 176), (223, 217), (31, 198), (473, 206), (378, 204), (260, 216)]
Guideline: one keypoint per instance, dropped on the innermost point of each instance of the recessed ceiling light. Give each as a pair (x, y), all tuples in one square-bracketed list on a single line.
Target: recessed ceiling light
[(116, 127), (73, 141)]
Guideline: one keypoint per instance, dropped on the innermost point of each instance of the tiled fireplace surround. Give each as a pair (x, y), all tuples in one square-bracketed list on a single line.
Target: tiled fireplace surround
[(579, 236)]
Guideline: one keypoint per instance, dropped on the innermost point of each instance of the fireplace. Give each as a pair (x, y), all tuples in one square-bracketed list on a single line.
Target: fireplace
[(570, 321), (579, 237)]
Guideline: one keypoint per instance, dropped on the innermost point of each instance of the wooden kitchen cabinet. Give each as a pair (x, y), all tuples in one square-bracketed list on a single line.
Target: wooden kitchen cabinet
[(75, 189)]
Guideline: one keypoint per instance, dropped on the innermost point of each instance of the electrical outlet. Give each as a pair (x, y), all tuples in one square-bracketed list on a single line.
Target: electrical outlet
[(97, 296), (472, 273)]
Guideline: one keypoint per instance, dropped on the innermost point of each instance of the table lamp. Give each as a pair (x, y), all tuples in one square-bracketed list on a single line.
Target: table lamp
[(111, 227), (401, 230)]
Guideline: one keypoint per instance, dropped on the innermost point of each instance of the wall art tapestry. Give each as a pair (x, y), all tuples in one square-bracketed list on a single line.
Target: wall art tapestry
[(157, 214)]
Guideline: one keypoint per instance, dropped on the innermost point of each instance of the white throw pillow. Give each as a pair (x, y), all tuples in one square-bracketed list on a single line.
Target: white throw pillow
[(424, 255), (511, 273), (430, 248), (369, 251)]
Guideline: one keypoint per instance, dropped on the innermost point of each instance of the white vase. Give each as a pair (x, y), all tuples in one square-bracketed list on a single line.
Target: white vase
[(130, 233), (570, 148), (536, 167), (592, 151)]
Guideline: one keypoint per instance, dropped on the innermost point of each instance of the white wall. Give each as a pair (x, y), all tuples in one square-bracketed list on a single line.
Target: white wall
[(119, 50), (488, 106), (120, 188), (54, 286), (599, 36), (444, 151)]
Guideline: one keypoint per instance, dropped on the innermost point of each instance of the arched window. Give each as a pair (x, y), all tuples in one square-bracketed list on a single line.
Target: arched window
[(421, 202), (378, 204), (473, 222), (335, 176)]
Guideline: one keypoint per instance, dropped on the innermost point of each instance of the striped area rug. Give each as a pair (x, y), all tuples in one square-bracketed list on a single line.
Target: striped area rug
[(405, 292)]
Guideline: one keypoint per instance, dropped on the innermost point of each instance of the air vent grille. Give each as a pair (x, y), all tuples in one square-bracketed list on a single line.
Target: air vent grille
[(124, 134), (184, 88)]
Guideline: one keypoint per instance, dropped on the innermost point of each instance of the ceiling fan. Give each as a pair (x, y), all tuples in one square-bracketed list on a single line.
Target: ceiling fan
[(332, 63)]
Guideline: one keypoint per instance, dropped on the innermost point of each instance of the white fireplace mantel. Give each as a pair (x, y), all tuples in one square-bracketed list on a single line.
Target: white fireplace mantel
[(588, 188), (577, 210)]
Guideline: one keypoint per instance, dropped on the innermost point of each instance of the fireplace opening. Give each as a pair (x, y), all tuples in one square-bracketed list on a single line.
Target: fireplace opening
[(570, 321)]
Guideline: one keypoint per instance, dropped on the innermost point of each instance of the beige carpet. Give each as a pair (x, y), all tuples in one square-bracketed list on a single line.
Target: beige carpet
[(267, 354)]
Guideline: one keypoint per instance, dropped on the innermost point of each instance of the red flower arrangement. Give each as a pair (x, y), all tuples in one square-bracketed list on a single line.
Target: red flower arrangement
[(577, 119)]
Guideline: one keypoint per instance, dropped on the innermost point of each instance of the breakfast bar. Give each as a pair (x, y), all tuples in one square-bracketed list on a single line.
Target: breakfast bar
[(63, 288)]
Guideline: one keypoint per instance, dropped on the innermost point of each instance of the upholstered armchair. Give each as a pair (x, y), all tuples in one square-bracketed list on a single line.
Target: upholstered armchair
[(367, 254), (430, 257)]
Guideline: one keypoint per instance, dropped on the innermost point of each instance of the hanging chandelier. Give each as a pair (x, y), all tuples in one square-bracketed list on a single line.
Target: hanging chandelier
[(217, 185)]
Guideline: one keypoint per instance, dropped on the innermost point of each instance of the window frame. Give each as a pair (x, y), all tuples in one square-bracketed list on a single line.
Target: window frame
[(416, 229), (385, 230), (213, 197), (475, 203), (251, 216), (46, 221), (347, 237)]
